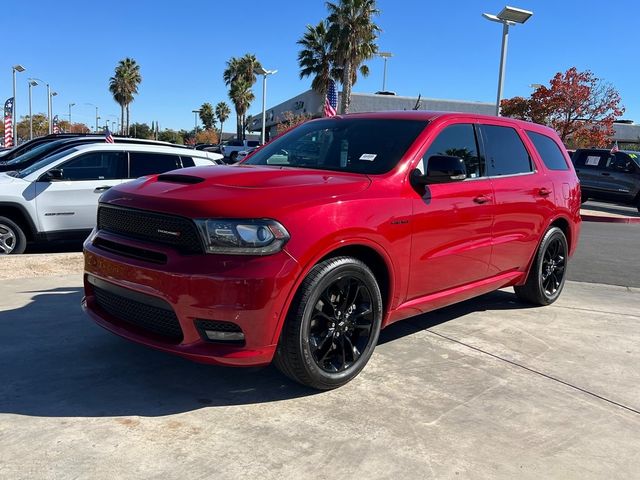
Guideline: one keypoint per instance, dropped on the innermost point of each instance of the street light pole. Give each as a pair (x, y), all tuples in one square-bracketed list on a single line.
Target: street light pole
[(32, 83), (195, 123), (507, 17), (15, 68), (386, 56), (49, 107), (51, 95), (70, 105), (97, 118), (264, 72)]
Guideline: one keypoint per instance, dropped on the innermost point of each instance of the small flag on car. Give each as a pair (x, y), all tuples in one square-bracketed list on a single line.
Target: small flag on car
[(331, 100), (108, 137), (615, 148)]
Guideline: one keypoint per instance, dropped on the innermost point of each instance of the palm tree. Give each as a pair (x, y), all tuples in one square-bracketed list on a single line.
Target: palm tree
[(222, 113), (239, 76), (241, 95), (353, 36), (316, 57), (124, 85), (207, 115)]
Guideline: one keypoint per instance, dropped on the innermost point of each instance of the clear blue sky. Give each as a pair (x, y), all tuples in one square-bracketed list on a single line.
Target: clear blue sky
[(442, 49)]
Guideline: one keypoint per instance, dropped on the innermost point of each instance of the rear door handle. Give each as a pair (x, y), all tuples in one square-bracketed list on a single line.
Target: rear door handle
[(605, 174), (101, 189), (481, 199), (545, 192)]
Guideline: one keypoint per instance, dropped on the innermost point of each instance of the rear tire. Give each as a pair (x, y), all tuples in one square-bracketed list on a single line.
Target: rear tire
[(12, 238), (332, 326), (548, 272)]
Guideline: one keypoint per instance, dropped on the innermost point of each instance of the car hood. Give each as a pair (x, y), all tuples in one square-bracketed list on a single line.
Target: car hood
[(241, 191), (7, 179)]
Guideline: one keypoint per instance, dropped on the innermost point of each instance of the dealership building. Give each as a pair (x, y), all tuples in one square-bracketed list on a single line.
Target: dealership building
[(311, 103)]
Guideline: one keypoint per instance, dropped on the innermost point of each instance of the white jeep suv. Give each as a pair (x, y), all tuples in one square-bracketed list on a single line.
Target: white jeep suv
[(57, 197)]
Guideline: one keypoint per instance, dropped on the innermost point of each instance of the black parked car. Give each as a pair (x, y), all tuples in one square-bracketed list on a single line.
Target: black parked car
[(59, 144), (609, 176)]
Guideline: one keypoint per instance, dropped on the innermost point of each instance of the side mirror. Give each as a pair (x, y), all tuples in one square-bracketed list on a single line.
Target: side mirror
[(53, 175), (440, 169)]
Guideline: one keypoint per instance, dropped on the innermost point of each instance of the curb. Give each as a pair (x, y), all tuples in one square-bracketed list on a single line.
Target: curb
[(603, 219)]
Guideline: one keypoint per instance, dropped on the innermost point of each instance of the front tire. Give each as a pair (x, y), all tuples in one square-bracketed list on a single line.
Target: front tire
[(332, 326), (12, 238), (548, 272)]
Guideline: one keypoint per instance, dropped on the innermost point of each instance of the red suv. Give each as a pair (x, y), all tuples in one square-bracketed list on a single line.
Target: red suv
[(329, 233)]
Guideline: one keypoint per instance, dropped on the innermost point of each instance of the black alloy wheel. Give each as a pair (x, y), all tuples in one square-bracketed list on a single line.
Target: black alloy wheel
[(341, 324), (548, 271), (332, 326)]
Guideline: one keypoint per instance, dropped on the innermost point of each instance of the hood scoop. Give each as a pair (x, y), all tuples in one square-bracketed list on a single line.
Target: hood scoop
[(178, 178)]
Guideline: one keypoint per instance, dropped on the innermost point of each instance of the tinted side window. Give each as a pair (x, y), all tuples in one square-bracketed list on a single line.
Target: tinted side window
[(96, 166), (506, 154), (620, 162), (459, 141), (549, 151), (142, 163), (590, 159), (187, 161)]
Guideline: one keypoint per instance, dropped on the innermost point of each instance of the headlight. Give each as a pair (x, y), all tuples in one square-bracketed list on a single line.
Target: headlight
[(242, 236)]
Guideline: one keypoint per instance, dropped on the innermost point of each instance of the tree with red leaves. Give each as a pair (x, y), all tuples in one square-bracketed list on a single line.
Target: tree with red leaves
[(578, 105)]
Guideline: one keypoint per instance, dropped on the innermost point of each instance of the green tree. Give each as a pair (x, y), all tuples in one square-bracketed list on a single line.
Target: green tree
[(239, 76), (222, 114), (207, 116), (316, 58), (40, 126), (353, 37), (171, 136), (124, 86), (141, 130)]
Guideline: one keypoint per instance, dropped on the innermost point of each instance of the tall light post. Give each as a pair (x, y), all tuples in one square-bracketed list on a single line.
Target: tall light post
[(386, 56), (70, 105), (195, 123), (264, 72), (14, 69), (32, 83), (50, 95), (509, 16)]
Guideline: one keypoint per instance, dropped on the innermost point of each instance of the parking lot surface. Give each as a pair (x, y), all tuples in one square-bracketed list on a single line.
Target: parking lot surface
[(486, 389)]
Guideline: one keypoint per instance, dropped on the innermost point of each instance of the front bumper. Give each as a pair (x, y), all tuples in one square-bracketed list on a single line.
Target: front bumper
[(250, 292)]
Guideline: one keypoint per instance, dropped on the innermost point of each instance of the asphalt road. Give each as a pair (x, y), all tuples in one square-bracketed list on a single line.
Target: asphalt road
[(608, 253)]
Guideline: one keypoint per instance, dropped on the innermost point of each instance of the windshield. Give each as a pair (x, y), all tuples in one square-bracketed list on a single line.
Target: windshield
[(37, 152), (43, 163), (357, 145)]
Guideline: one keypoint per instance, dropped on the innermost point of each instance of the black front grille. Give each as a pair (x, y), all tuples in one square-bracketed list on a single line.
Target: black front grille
[(143, 311), (178, 232)]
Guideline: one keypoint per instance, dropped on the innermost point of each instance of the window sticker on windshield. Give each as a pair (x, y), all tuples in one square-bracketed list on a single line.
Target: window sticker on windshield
[(593, 161), (369, 157)]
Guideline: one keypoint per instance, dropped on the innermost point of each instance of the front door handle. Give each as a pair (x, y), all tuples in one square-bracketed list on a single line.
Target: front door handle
[(544, 192), (481, 199), (605, 174), (101, 189)]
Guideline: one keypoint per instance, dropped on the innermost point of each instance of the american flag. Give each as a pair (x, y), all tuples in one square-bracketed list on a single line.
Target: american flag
[(615, 148), (108, 137), (8, 123), (56, 127), (331, 100)]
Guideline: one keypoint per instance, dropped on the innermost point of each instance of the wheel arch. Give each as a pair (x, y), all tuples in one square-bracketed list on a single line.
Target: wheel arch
[(19, 215)]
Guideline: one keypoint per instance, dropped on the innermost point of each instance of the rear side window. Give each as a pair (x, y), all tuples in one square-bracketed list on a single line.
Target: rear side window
[(187, 161), (591, 159), (505, 152), (458, 141), (95, 166), (549, 151), (142, 163)]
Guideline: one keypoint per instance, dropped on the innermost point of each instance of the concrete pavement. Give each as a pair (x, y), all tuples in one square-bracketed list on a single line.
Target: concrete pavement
[(486, 389)]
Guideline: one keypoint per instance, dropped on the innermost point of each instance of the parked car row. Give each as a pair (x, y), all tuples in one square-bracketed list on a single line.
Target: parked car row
[(329, 233), (51, 192)]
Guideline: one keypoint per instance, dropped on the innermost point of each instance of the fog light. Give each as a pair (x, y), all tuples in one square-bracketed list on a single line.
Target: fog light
[(218, 336)]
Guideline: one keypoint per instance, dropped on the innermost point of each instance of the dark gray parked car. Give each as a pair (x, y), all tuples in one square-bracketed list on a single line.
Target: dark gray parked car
[(609, 176)]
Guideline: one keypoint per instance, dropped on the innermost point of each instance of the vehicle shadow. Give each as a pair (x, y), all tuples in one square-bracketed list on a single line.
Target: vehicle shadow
[(620, 209), (55, 362)]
